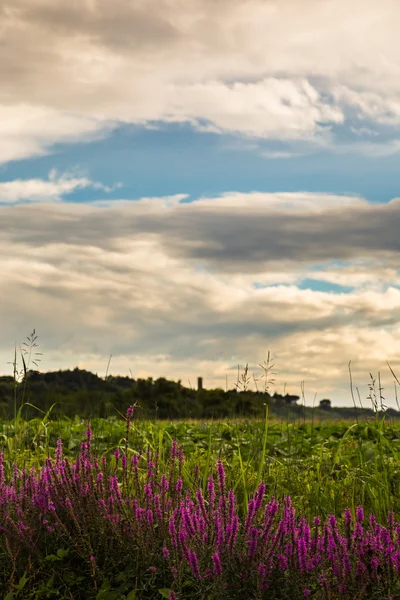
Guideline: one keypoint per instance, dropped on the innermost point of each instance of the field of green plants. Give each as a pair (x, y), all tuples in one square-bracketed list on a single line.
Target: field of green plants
[(130, 509)]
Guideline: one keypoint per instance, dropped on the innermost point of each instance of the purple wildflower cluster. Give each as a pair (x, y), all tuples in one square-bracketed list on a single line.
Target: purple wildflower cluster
[(110, 512)]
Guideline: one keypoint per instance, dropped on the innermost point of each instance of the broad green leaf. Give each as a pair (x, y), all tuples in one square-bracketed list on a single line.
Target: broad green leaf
[(52, 558), (21, 582), (62, 553)]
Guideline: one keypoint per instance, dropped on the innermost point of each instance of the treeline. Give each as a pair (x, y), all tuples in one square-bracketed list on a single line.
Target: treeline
[(82, 393)]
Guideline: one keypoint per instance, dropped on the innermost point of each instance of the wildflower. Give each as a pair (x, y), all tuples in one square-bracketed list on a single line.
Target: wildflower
[(164, 484), (129, 412), (302, 554), (360, 514), (174, 450), (59, 450), (259, 497), (211, 492), (194, 564), (253, 541), (221, 476), (217, 564), (166, 554)]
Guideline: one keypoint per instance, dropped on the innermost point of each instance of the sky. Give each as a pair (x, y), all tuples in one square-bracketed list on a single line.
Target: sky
[(188, 184)]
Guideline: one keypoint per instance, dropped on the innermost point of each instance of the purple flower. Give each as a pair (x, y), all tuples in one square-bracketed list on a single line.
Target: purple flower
[(89, 434), (164, 484), (302, 554), (166, 554), (360, 514), (221, 476), (129, 412), (259, 496), (253, 542), (59, 450), (217, 564), (194, 564), (174, 450), (211, 492)]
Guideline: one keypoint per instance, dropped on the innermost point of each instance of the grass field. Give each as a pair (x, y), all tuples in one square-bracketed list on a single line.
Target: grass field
[(129, 509), (123, 535), (323, 466)]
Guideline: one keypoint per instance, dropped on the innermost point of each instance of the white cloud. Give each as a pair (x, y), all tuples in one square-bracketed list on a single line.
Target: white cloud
[(365, 148), (27, 130), (277, 69), (40, 190), (279, 154), (363, 131), (269, 108), (377, 107), (366, 274)]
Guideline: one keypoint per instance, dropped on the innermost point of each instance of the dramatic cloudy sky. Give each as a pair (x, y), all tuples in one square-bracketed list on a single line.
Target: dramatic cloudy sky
[(187, 184)]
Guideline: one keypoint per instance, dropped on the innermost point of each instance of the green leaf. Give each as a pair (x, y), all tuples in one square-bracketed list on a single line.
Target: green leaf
[(22, 582), (105, 586), (105, 593), (10, 596), (165, 592), (131, 595), (62, 553), (52, 558)]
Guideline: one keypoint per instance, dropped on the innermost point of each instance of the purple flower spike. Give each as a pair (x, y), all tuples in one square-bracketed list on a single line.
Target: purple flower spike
[(217, 564), (194, 564), (221, 476)]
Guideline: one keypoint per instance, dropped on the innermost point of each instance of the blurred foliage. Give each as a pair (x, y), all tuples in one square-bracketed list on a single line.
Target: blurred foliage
[(79, 392)]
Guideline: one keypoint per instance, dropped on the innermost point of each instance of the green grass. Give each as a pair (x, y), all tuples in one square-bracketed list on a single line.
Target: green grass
[(324, 466)]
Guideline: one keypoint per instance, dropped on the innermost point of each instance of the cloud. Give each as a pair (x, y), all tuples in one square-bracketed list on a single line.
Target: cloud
[(377, 107), (167, 287), (233, 231), (269, 108), (363, 131), (279, 154), (40, 190), (27, 130), (369, 274), (259, 69), (377, 149)]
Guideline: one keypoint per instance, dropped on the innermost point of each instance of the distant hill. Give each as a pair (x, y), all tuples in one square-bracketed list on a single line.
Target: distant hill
[(80, 392)]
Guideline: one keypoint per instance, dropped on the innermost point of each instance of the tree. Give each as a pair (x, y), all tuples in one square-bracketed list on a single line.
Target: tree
[(325, 404)]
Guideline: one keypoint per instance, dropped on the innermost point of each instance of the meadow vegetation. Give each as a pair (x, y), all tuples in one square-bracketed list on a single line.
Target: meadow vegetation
[(127, 508)]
